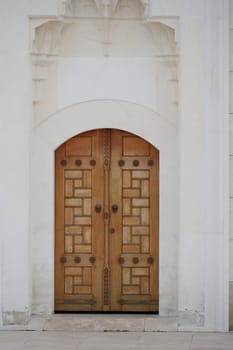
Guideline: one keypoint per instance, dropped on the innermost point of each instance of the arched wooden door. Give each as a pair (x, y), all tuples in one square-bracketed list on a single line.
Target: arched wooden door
[(107, 209)]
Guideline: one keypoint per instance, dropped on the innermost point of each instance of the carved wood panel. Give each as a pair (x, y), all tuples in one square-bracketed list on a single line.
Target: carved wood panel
[(79, 227), (135, 179), (106, 223)]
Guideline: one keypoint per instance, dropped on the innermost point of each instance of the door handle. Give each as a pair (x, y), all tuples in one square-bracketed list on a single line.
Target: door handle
[(98, 208), (114, 208)]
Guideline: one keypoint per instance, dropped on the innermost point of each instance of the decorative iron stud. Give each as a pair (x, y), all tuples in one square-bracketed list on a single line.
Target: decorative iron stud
[(150, 260), (92, 259), (135, 260), (77, 259), (93, 162), (121, 260), (136, 162), (150, 162), (63, 259), (63, 162), (121, 162), (78, 162)]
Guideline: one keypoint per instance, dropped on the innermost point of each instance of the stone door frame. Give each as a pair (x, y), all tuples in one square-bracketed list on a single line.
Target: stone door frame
[(71, 121)]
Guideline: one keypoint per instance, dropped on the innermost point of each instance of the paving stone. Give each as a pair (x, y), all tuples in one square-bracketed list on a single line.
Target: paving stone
[(37, 323), (59, 340), (212, 341), (165, 339)]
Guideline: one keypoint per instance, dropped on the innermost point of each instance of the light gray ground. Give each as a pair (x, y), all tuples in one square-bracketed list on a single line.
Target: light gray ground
[(59, 340)]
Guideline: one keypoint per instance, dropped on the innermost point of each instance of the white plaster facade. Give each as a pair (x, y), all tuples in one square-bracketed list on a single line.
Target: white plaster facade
[(155, 68), (231, 154)]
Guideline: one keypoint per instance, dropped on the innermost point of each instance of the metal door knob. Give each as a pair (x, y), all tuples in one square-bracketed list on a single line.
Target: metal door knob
[(98, 208), (114, 208)]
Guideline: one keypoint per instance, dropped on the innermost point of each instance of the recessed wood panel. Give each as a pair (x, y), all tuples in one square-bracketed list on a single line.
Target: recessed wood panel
[(134, 146), (79, 146)]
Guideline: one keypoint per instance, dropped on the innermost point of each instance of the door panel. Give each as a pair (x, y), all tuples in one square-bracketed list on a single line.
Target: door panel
[(79, 253), (106, 223), (134, 187)]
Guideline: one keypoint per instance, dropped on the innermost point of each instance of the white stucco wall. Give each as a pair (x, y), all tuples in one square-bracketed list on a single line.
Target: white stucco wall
[(231, 157), (15, 111), (129, 89), (203, 164), (81, 79)]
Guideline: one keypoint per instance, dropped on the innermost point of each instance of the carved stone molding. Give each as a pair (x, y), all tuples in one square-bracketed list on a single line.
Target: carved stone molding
[(171, 22), (108, 7), (105, 8), (164, 39), (101, 28), (47, 37), (66, 7), (44, 86)]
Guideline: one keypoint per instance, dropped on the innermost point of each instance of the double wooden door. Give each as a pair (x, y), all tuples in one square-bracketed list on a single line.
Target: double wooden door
[(106, 242)]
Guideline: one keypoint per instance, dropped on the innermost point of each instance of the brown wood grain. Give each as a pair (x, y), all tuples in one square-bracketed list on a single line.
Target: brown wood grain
[(131, 232)]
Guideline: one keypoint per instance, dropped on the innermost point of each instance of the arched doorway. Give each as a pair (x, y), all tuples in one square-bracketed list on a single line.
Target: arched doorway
[(106, 239)]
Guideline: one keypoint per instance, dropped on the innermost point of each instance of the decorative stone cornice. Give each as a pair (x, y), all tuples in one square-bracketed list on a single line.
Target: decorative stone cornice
[(171, 22), (66, 7), (109, 34), (107, 8)]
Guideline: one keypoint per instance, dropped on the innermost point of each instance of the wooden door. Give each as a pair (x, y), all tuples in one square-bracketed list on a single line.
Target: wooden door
[(107, 206)]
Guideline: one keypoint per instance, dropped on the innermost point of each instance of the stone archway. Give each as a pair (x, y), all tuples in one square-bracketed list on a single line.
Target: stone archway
[(93, 115)]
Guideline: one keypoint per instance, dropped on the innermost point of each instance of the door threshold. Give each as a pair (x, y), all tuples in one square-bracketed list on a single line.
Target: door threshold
[(99, 322), (106, 313)]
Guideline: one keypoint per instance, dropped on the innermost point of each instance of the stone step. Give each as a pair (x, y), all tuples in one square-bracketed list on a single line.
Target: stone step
[(99, 323)]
